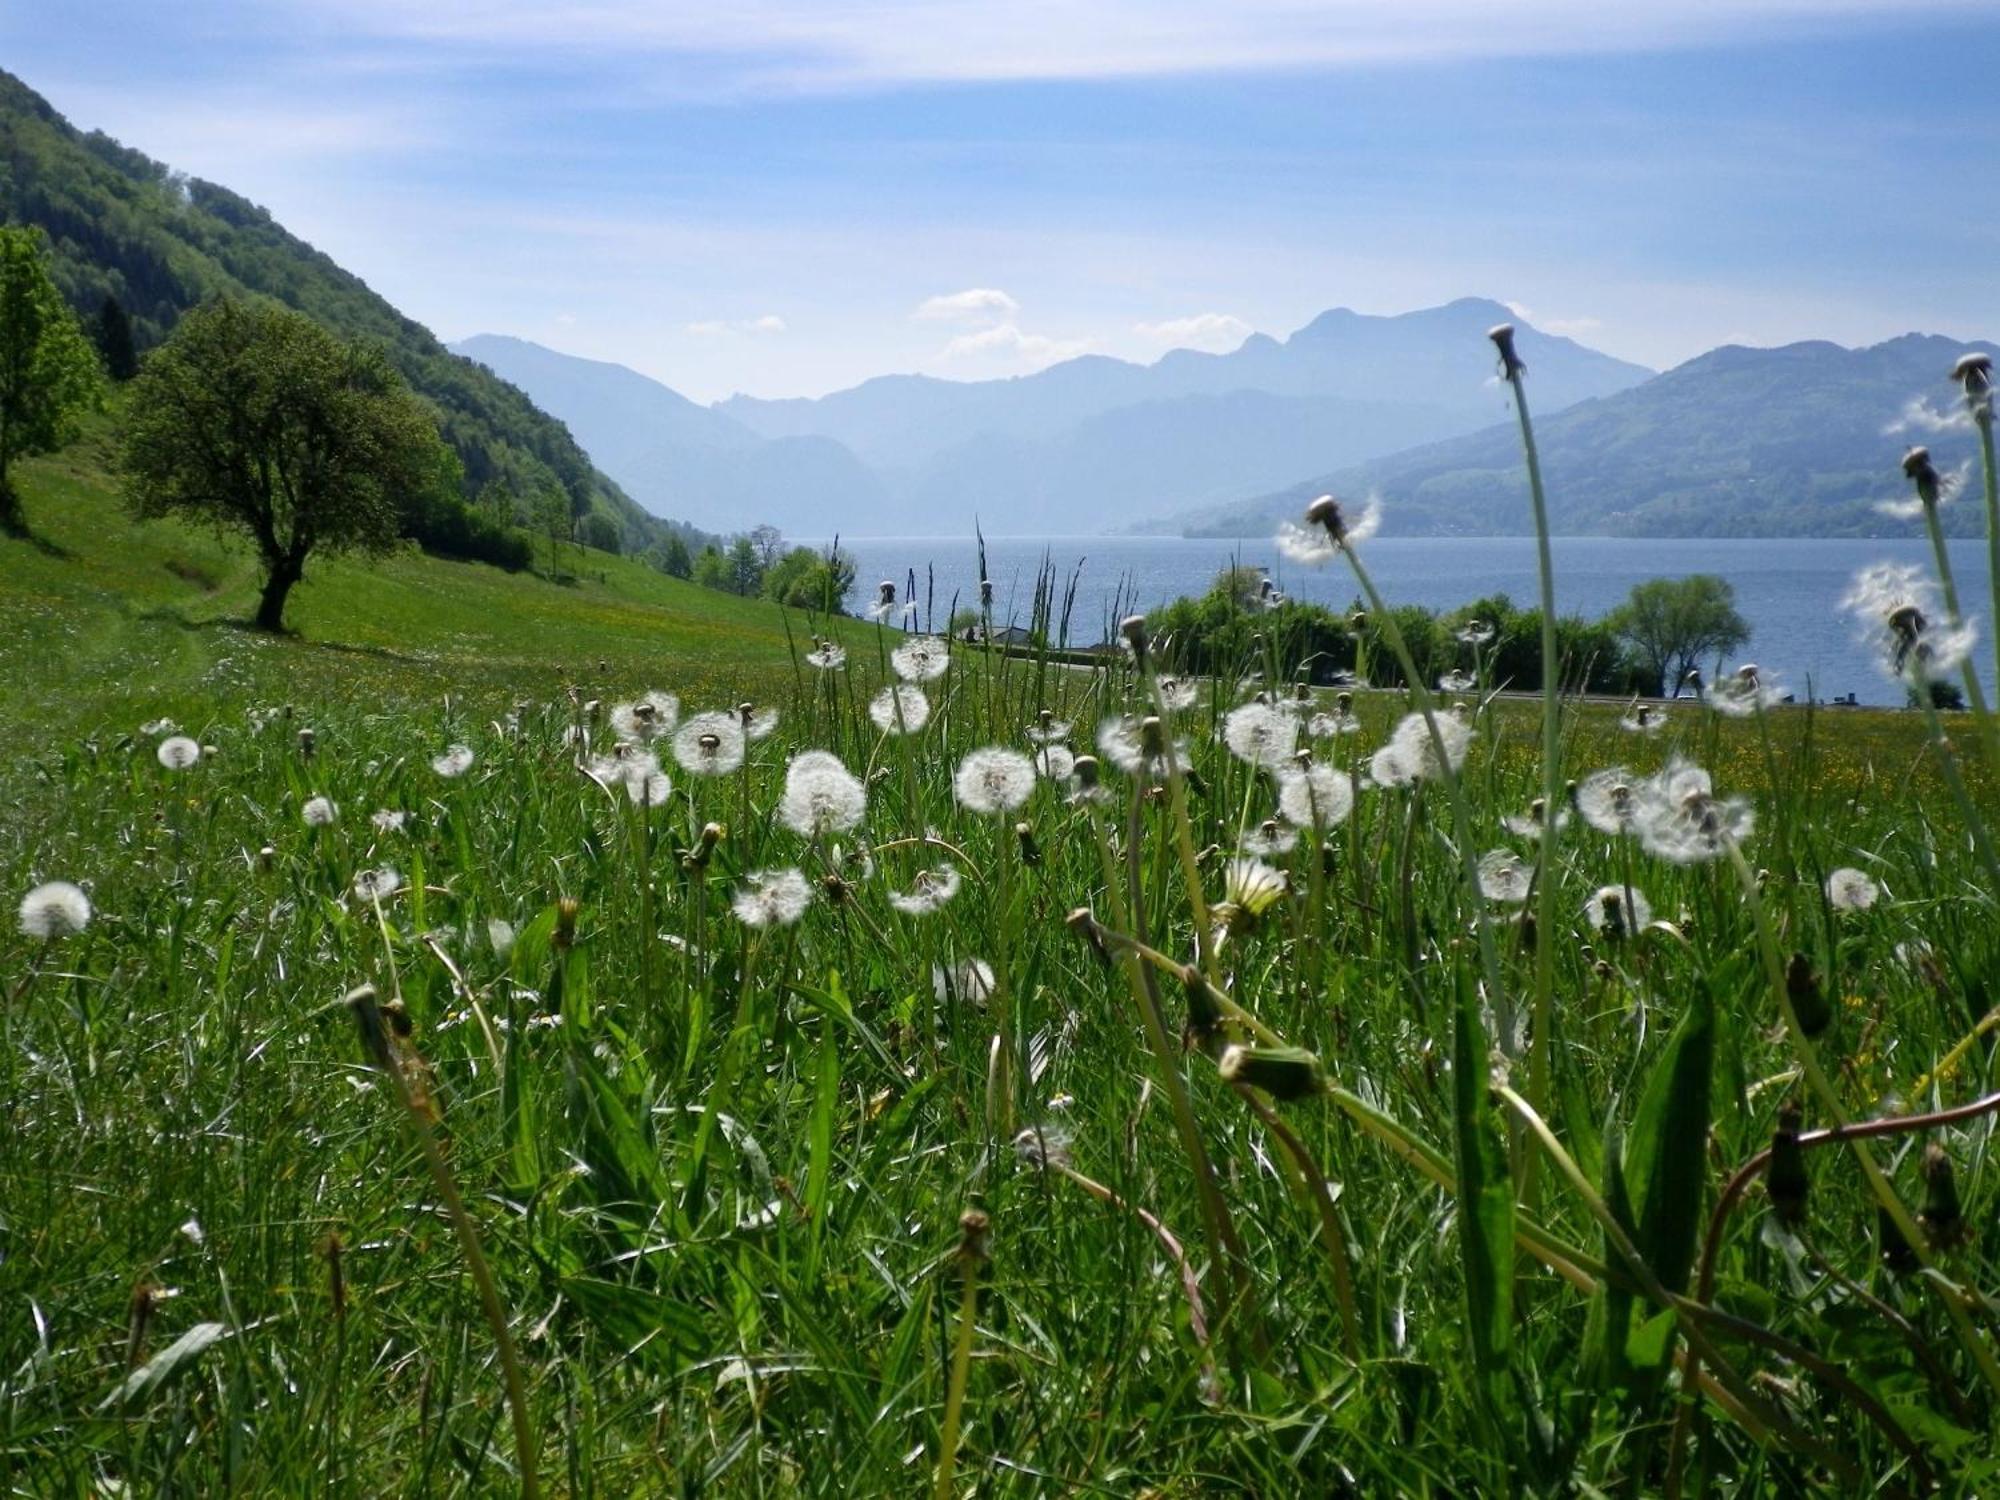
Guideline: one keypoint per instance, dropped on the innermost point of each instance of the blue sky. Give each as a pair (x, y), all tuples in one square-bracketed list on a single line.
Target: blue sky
[(787, 196)]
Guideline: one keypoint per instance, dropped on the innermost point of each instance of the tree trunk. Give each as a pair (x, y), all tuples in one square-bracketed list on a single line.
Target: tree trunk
[(277, 585), (13, 520)]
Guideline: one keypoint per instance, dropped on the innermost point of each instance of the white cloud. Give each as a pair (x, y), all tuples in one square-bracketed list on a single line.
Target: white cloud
[(1919, 415), (1217, 333), (715, 328), (786, 45), (979, 304), (1565, 328), (1005, 343)]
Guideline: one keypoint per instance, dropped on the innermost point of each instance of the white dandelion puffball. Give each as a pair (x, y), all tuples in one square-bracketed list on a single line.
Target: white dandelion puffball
[(55, 909), (1457, 682), (821, 795), (168, 726), (970, 979), (1261, 735), (647, 719), (921, 659), (1055, 762), (759, 723), (637, 771), (827, 657), (1328, 529), (993, 780), (709, 745), (1682, 821), (388, 820), (1620, 910), (178, 752), (1528, 825), (930, 891), (1051, 731), (771, 898), (500, 934), (378, 885), (1270, 840), (319, 812), (454, 762), (1899, 613), (1608, 800), (1316, 797), (1744, 692), (1418, 751), (1848, 889), (900, 708), (1644, 718), (1389, 766), (1505, 876), (1177, 694), (1332, 725)]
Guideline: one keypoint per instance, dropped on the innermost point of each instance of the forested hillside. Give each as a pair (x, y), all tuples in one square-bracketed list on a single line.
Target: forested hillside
[(123, 226)]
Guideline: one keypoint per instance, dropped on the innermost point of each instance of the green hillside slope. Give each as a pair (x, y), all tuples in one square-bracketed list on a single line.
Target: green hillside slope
[(102, 618), (123, 225)]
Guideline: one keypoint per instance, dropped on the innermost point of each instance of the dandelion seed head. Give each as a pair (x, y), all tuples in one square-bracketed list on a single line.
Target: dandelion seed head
[(1643, 718), (1505, 877), (994, 780), (900, 708), (1899, 614), (1055, 762), (158, 727), (1178, 694), (378, 884), (969, 980), (930, 891), (319, 812), (771, 898), (454, 762), (1682, 821), (1457, 682), (1528, 825), (1048, 729), (1849, 889), (1618, 910), (710, 744), (1477, 633), (827, 657), (821, 795), (1415, 746), (178, 752), (1744, 692), (1315, 796), (1269, 840), (648, 718), (1607, 802), (500, 936), (1044, 1146), (54, 909), (1261, 735), (388, 820), (924, 658)]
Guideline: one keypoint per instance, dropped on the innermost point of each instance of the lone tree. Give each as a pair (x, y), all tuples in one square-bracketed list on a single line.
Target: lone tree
[(1673, 624), (48, 370), (255, 419)]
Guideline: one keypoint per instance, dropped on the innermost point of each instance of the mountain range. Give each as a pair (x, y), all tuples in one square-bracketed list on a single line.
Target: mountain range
[(1800, 440), (1091, 444)]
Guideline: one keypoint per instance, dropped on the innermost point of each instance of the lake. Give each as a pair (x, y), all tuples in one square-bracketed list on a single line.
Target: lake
[(1789, 590)]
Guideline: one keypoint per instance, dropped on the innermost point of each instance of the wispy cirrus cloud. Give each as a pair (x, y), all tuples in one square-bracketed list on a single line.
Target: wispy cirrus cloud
[(715, 328), (792, 45)]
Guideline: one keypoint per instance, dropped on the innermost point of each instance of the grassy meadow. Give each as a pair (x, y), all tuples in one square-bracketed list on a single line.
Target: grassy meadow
[(414, 1121)]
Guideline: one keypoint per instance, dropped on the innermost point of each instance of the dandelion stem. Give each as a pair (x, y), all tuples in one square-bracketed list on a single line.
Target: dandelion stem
[(961, 1368), (1540, 1055)]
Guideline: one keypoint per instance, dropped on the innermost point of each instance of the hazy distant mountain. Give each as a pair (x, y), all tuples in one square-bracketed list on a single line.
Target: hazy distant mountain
[(682, 458), (1793, 441), (1096, 443)]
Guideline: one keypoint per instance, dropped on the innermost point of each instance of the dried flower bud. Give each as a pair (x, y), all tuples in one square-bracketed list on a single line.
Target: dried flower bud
[(1898, 1255), (1785, 1180), (306, 743), (266, 858), (567, 910), (1133, 628), (1282, 1072), (1502, 335), (1358, 621), (1084, 925), (1974, 371), (1921, 472), (1152, 737), (1808, 1003), (985, 593), (1085, 771), (1204, 1022), (1031, 852), (368, 1021), (974, 1228), (1942, 1220)]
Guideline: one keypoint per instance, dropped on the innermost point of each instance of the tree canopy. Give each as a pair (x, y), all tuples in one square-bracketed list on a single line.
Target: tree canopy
[(257, 420), (1671, 625), (48, 369)]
